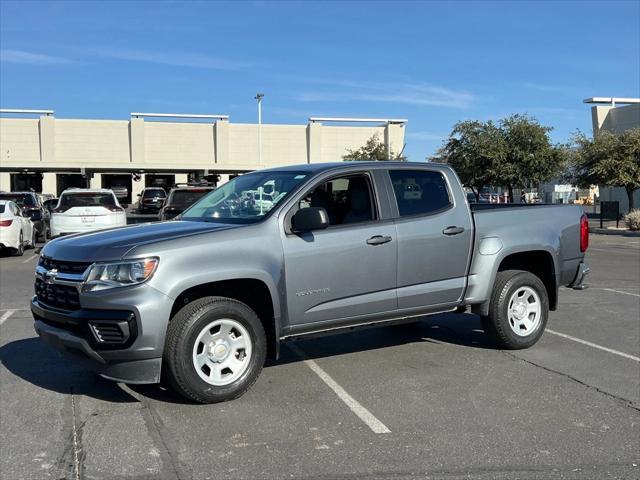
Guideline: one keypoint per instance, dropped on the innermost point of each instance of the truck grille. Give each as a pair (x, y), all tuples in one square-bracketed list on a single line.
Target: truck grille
[(58, 296), (63, 266)]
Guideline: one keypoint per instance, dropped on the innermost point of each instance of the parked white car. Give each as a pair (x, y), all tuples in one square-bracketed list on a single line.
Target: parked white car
[(16, 231), (85, 210)]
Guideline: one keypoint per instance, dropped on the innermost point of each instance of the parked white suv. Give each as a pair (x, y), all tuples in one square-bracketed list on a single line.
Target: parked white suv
[(16, 231), (85, 210)]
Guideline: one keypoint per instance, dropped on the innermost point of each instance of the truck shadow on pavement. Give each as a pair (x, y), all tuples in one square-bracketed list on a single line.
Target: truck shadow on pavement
[(35, 362), (450, 328)]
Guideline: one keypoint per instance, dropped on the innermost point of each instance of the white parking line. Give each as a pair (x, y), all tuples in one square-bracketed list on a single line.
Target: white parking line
[(30, 258), (619, 291), (6, 315), (594, 345), (363, 414)]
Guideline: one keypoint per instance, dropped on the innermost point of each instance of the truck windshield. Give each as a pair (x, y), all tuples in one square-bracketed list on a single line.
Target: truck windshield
[(245, 199)]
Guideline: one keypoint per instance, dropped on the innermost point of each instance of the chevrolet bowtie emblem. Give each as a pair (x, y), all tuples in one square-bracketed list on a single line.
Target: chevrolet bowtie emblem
[(50, 276)]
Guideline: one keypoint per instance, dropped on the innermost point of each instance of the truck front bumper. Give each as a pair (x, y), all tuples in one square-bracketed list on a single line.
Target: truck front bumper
[(119, 342), (581, 273)]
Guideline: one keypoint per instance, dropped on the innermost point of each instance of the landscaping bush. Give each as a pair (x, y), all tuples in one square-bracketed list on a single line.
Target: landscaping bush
[(632, 219)]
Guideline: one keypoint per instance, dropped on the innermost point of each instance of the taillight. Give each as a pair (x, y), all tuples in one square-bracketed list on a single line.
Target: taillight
[(6, 223), (60, 209), (115, 208), (584, 233)]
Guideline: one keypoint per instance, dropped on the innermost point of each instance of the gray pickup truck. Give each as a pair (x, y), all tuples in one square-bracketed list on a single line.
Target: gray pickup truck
[(205, 299)]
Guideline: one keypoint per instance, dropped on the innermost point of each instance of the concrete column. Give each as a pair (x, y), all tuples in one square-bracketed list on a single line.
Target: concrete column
[(49, 183), (394, 137), (47, 139), (221, 141), (96, 181), (5, 182), (314, 142), (182, 178), (137, 187), (136, 147), (599, 115)]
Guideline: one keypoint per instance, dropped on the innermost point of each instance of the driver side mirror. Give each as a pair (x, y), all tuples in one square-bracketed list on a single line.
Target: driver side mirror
[(308, 219)]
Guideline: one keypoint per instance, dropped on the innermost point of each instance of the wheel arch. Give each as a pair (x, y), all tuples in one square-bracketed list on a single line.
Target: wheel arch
[(253, 292), (540, 262)]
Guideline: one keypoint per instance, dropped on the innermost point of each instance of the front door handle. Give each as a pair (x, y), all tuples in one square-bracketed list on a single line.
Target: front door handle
[(379, 240), (453, 230)]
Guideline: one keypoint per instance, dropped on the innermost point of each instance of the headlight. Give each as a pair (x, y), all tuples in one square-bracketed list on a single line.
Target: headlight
[(102, 276)]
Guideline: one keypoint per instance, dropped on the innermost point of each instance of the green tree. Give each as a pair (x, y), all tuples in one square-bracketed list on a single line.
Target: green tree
[(531, 157), (475, 150), (374, 149), (609, 159), (515, 153)]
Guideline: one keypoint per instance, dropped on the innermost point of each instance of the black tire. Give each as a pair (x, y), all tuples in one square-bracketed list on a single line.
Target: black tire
[(18, 252), (45, 235), (182, 334), (497, 323), (32, 244)]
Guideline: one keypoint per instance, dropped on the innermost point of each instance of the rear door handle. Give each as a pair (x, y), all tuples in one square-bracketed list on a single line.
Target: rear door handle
[(379, 240), (453, 230)]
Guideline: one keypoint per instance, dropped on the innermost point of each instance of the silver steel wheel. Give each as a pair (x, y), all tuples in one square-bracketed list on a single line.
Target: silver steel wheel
[(222, 352), (524, 311)]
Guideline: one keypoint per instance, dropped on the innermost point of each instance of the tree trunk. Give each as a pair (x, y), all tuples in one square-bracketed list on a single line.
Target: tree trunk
[(630, 192), (510, 193)]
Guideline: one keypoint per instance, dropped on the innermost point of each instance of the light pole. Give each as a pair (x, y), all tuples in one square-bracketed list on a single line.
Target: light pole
[(259, 97)]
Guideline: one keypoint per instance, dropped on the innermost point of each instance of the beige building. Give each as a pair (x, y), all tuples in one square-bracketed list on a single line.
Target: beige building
[(615, 115), (49, 154)]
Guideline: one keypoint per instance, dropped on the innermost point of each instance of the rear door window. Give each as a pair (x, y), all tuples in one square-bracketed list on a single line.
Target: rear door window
[(419, 192)]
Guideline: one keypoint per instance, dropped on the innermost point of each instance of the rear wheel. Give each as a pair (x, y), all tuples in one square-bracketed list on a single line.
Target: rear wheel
[(45, 235), (518, 310), (215, 349), (32, 243)]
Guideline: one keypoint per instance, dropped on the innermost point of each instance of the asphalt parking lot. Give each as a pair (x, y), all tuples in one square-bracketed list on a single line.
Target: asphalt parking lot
[(429, 400)]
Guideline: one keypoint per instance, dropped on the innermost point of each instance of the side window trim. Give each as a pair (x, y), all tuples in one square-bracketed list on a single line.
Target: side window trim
[(394, 199)]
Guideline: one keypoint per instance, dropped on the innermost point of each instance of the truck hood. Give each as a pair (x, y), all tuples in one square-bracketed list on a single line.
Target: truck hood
[(112, 244)]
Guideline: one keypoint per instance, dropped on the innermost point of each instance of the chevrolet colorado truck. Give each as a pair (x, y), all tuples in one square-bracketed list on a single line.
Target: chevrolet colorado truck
[(206, 298)]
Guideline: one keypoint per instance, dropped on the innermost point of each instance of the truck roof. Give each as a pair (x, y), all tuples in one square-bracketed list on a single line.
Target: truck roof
[(321, 167)]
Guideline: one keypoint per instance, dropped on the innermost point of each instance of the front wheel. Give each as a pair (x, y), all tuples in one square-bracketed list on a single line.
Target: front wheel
[(215, 349), (518, 310), (18, 252)]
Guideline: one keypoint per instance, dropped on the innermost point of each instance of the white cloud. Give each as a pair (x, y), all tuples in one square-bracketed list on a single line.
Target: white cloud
[(21, 56), (178, 59), (412, 94)]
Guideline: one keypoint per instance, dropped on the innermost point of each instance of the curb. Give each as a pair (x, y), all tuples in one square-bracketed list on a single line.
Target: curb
[(606, 231)]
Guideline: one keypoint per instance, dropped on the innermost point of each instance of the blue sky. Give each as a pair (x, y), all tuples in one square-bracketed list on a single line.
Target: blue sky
[(434, 63)]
